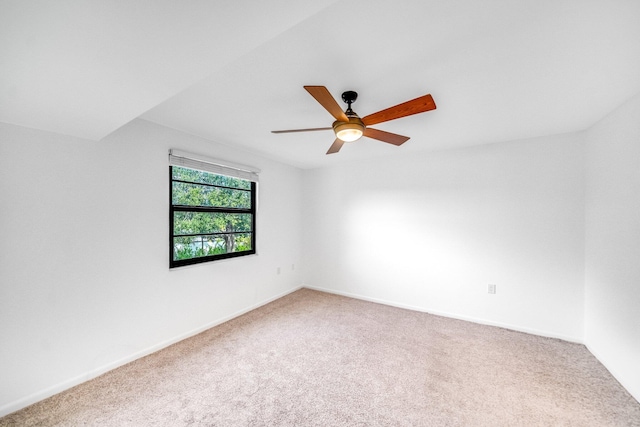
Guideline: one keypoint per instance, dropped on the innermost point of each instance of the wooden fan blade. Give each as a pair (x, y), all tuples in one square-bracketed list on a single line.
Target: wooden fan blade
[(336, 146), (322, 95), (415, 106), (299, 130), (380, 135)]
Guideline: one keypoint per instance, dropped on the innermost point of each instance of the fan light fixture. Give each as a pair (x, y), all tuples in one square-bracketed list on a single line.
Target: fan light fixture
[(349, 131)]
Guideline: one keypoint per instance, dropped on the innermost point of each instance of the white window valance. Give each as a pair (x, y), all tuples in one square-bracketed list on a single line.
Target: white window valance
[(210, 164)]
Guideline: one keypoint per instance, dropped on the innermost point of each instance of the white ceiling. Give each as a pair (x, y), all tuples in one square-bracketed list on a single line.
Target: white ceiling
[(233, 71)]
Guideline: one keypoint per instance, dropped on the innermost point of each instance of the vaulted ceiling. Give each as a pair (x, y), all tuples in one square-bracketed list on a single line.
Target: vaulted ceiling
[(233, 71)]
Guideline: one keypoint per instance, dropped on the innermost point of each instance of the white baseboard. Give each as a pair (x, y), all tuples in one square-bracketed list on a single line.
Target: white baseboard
[(60, 387), (65, 385), (451, 315), (613, 372)]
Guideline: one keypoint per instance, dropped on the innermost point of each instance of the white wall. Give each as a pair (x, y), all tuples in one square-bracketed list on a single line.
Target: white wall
[(612, 310), (84, 249), (430, 231)]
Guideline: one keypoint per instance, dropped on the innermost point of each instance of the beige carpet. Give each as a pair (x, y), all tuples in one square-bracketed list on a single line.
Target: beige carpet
[(314, 359)]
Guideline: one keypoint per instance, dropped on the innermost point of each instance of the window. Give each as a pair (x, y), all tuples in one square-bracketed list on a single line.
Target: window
[(212, 215)]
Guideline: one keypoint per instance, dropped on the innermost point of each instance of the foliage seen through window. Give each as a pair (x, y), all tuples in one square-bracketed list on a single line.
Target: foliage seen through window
[(212, 216)]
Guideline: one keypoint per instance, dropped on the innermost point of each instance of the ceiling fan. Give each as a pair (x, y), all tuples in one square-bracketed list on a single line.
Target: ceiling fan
[(350, 127)]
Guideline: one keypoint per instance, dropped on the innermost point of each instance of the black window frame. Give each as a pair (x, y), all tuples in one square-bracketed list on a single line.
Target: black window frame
[(173, 263)]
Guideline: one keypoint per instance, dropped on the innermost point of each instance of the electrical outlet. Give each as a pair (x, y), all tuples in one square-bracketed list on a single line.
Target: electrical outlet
[(293, 267), (492, 289), (278, 270)]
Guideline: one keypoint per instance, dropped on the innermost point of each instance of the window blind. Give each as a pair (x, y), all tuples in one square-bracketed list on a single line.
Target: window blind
[(209, 164)]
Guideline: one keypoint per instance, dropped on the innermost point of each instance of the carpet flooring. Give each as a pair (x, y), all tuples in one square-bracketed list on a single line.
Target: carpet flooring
[(315, 359)]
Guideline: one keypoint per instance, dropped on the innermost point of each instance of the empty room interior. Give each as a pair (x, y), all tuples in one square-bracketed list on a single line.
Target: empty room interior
[(491, 201)]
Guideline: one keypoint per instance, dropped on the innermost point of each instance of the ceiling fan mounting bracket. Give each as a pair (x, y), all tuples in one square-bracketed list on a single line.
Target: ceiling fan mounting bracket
[(349, 97)]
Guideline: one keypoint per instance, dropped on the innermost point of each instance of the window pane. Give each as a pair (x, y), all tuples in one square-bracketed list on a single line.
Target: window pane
[(212, 217), (209, 222), (200, 195), (192, 175), (199, 246)]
